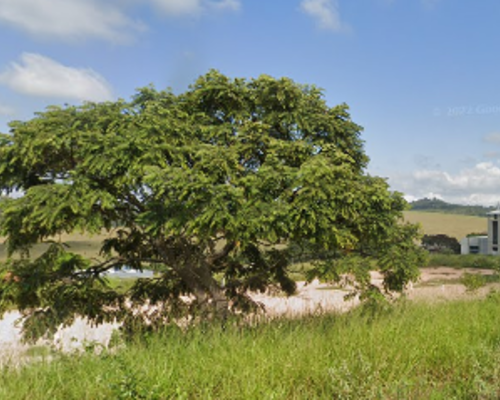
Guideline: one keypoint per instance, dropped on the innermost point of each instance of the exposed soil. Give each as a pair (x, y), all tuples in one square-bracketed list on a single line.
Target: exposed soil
[(435, 284), (443, 283)]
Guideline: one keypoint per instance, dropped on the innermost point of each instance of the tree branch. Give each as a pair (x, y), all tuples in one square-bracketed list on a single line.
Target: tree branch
[(213, 259)]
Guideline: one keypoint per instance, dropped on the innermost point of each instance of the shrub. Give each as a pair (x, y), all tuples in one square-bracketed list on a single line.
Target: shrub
[(441, 244)]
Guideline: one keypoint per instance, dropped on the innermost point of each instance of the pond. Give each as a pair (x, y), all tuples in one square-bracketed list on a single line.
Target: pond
[(127, 272)]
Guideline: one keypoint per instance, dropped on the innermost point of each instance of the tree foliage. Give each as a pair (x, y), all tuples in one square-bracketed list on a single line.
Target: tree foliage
[(441, 244), (213, 187)]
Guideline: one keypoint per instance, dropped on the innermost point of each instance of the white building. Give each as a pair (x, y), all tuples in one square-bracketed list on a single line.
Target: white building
[(474, 245), (493, 230), (484, 244)]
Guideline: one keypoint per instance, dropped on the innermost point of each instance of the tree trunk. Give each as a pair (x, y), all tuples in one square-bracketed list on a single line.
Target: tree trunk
[(189, 263), (208, 292)]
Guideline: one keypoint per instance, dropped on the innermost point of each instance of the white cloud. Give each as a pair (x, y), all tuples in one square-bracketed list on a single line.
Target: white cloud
[(68, 19), (194, 7), (38, 75), (325, 12), (483, 176), (179, 7), (233, 5), (102, 19), (479, 184)]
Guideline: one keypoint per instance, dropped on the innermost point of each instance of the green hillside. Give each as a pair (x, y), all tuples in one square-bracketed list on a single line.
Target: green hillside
[(440, 206)]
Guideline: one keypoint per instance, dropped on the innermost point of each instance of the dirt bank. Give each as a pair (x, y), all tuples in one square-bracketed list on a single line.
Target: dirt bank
[(436, 284)]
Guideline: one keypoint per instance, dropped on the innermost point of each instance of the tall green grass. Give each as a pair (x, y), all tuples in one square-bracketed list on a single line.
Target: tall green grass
[(413, 351), (464, 261)]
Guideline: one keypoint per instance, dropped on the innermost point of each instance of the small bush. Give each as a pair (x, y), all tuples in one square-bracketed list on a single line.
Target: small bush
[(473, 282)]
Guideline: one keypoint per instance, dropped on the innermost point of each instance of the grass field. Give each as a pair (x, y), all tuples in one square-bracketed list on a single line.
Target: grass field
[(411, 351), (414, 351), (457, 226), (85, 245)]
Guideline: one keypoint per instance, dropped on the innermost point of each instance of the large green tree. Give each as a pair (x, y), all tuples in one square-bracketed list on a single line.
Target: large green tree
[(213, 187)]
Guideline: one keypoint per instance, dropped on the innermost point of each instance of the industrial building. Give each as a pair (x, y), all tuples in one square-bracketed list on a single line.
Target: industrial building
[(484, 244)]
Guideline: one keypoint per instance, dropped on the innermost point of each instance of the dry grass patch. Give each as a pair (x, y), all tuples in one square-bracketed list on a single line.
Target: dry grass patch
[(83, 244)]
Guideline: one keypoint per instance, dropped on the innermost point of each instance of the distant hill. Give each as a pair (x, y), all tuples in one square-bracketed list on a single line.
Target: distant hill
[(436, 205)]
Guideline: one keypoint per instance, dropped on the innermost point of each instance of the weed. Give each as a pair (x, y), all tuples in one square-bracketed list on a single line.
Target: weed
[(473, 282)]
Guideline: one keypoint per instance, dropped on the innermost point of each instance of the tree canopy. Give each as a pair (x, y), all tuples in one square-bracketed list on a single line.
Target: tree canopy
[(213, 187), (441, 243)]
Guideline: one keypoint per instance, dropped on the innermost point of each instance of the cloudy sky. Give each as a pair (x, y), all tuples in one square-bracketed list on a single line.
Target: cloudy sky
[(421, 76)]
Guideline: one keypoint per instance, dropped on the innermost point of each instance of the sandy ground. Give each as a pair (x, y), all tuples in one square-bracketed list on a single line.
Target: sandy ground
[(436, 284), (72, 338)]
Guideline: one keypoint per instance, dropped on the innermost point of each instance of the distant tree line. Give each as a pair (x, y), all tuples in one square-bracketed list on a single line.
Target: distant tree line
[(437, 205), (441, 243)]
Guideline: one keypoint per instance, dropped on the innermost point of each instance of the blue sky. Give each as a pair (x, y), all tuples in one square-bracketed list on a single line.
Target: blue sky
[(421, 76)]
